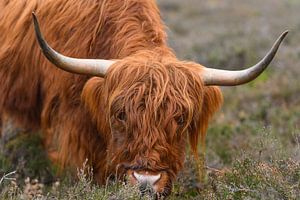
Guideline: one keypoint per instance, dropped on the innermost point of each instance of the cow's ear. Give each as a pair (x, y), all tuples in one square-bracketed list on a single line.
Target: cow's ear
[(212, 101), (91, 96)]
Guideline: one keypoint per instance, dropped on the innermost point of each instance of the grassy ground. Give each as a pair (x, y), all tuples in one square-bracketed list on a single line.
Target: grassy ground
[(254, 140)]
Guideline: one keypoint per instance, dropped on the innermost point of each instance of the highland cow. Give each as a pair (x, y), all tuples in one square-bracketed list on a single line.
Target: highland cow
[(120, 98)]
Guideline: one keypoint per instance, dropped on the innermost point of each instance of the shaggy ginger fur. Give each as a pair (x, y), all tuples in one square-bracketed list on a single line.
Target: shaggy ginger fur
[(139, 115)]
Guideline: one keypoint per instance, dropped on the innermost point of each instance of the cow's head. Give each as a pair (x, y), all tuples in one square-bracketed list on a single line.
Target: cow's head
[(152, 105), (149, 105)]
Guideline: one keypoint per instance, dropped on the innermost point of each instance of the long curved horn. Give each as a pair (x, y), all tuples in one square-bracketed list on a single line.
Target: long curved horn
[(231, 78), (94, 67)]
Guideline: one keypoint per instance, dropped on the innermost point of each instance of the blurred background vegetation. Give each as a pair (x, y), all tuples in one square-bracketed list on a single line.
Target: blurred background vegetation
[(253, 143)]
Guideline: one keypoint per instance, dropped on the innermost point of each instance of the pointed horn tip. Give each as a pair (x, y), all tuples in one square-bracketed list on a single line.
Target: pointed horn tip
[(33, 15), (281, 38), (284, 34), (35, 22), (34, 18)]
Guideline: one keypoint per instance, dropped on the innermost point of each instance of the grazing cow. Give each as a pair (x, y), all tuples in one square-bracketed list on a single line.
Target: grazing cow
[(120, 98)]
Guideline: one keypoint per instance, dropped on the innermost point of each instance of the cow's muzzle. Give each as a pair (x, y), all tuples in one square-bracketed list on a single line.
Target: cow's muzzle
[(157, 185)]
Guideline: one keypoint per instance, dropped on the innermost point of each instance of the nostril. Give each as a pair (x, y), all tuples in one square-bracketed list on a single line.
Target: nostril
[(146, 178)]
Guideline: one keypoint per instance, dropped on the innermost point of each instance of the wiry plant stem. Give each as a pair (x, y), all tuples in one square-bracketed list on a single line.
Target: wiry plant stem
[(6, 177)]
